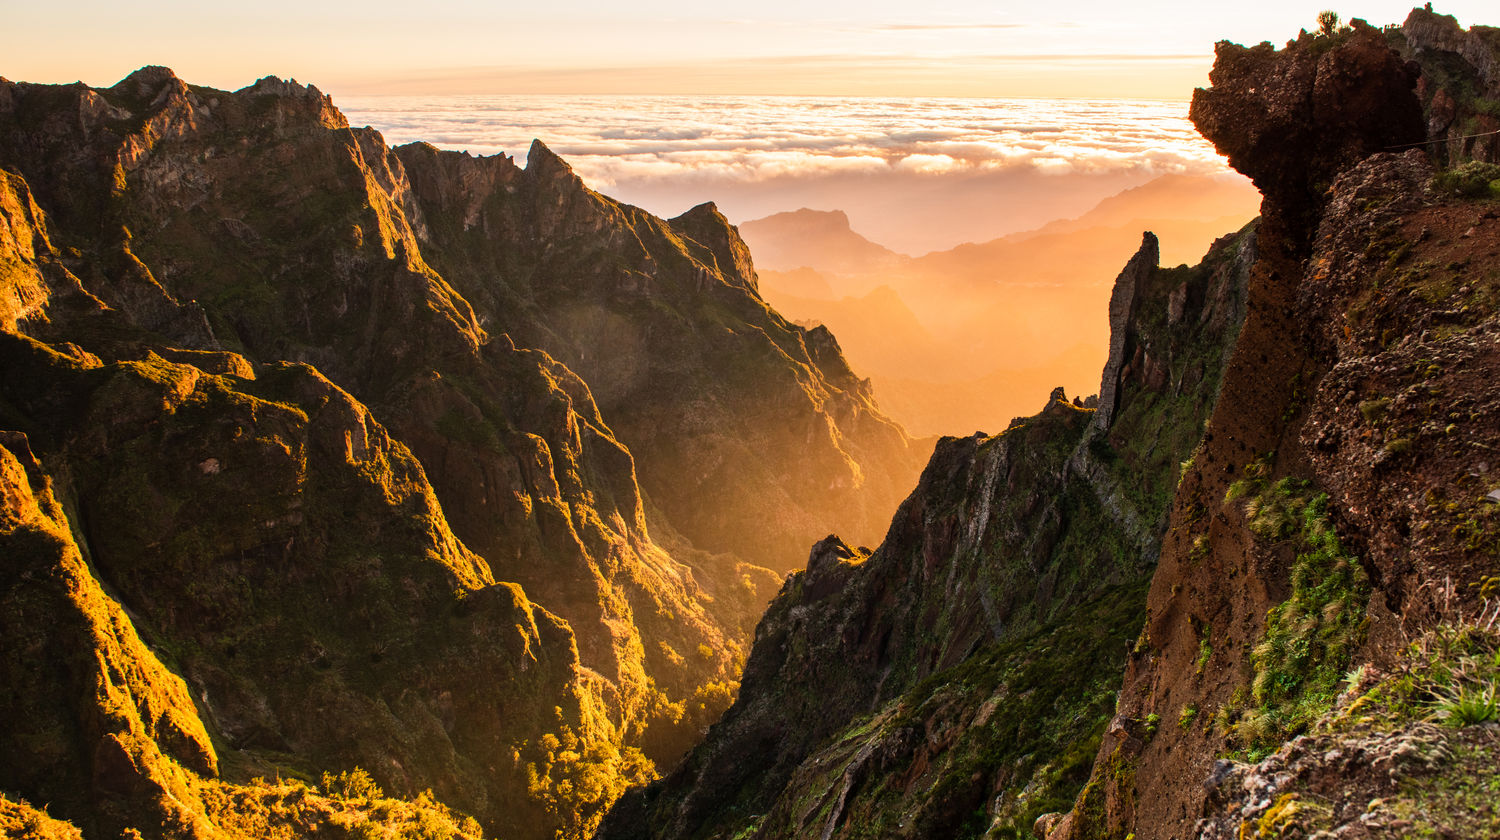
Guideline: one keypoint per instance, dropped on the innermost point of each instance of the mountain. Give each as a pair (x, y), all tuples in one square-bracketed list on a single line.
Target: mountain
[(1279, 521), (1004, 320), (819, 239), (306, 502)]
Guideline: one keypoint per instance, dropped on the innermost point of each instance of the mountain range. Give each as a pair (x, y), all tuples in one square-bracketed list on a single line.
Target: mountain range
[(971, 337), (350, 491), (301, 451)]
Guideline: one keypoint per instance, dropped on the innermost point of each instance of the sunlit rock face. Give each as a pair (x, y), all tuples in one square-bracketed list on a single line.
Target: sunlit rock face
[(314, 423), (752, 435)]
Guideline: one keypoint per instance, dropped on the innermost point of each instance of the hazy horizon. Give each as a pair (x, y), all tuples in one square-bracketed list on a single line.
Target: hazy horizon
[(915, 175)]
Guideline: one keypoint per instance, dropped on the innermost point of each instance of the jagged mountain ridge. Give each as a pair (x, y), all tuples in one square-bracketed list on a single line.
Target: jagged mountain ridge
[(665, 321), (187, 273)]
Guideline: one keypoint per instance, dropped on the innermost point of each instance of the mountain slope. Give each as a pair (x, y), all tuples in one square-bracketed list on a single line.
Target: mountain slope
[(362, 526)]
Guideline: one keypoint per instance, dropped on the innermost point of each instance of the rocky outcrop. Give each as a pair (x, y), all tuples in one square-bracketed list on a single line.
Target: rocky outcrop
[(1460, 85), (1312, 535), (1292, 119), (1426, 31), (906, 691), (1122, 300)]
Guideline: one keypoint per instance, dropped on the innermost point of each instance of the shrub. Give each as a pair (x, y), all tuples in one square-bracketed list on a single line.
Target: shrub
[(1467, 705), (1475, 179), (352, 784)]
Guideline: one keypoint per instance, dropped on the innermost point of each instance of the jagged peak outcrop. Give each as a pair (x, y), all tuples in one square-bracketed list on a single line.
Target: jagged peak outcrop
[(1122, 300), (1426, 30), (148, 81), (726, 253), (542, 162), (1291, 119)]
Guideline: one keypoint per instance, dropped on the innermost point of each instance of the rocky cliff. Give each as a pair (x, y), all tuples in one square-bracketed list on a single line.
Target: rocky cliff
[(960, 674), (1320, 598), (307, 507), (1313, 588), (1459, 85)]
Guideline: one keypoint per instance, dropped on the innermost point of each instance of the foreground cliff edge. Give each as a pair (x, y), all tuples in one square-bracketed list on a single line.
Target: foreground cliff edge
[(1317, 647), (305, 501)]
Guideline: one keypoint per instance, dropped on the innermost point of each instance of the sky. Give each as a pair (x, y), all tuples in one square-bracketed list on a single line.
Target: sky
[(986, 48)]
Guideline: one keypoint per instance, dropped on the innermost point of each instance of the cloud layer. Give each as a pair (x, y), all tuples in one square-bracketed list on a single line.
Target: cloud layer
[(743, 152)]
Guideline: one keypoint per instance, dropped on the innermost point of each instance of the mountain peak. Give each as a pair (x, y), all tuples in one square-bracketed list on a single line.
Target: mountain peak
[(151, 84), (146, 81), (705, 211), (541, 160), (288, 88)]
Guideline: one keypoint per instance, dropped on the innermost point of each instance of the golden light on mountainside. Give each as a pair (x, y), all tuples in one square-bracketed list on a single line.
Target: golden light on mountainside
[(968, 338), (742, 465)]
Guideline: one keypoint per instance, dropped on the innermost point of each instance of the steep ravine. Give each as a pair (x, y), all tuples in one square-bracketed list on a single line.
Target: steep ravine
[(1318, 645), (963, 670)]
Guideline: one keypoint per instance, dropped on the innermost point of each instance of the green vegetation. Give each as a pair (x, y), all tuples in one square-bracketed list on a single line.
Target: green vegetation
[(351, 784), (1205, 652), (1328, 23), (1302, 655), (284, 809), (1187, 715), (1053, 694), (1450, 675), (1472, 179), (19, 820)]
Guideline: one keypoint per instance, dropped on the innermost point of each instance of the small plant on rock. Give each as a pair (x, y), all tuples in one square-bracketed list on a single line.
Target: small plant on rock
[(1328, 23)]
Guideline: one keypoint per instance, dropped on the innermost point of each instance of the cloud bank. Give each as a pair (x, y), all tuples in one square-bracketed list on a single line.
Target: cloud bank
[(870, 157)]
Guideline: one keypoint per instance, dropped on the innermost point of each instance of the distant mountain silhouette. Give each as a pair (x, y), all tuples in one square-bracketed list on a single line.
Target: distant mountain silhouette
[(1013, 317)]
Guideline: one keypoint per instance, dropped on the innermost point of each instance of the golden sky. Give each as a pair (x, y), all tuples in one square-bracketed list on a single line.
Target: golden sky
[(1146, 49)]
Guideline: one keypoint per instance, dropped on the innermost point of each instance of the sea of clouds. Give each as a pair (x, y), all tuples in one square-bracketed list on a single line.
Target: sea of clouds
[(914, 174)]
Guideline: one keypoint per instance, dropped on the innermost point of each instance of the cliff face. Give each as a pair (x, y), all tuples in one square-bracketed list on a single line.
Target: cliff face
[(354, 523), (1327, 561), (964, 667), (752, 434), (1460, 82), (1336, 509)]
